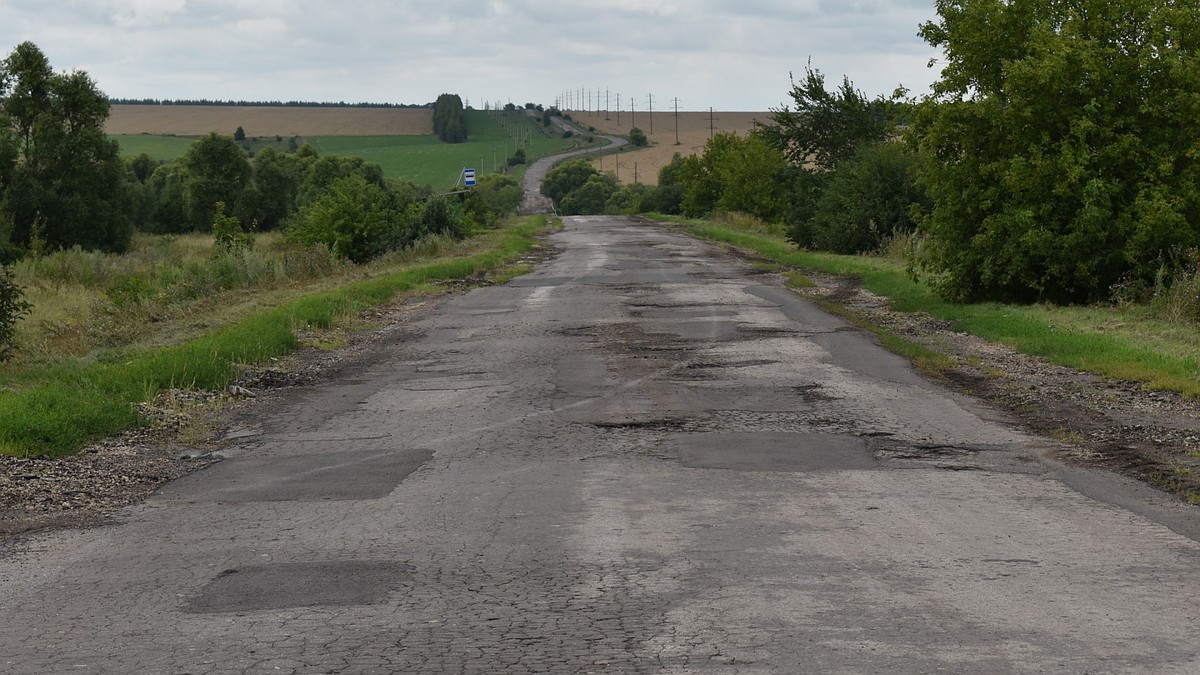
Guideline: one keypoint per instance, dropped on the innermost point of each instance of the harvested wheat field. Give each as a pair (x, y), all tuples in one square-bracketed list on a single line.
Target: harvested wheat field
[(198, 120), (694, 131)]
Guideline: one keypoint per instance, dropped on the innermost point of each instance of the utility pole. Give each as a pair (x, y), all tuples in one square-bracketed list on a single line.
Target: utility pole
[(493, 159), (635, 172), (618, 108), (711, 126), (676, 120), (632, 114), (651, 114), (606, 104)]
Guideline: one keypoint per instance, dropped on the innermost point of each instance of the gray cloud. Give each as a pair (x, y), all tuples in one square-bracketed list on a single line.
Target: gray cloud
[(728, 55)]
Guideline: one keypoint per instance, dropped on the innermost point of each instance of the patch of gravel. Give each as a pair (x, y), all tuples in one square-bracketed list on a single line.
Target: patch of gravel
[(1153, 436), (184, 428)]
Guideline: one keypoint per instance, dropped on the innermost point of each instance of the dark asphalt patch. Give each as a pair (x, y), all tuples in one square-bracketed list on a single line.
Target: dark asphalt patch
[(337, 475), (533, 281), (786, 452), (307, 584)]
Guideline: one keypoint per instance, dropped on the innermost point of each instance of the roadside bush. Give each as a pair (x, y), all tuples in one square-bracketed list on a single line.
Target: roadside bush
[(628, 200), (801, 203), (517, 157), (228, 235), (734, 174), (591, 197), (356, 219), (567, 177), (12, 308), (663, 199), (869, 198), (494, 197), (1175, 294), (439, 217), (638, 137)]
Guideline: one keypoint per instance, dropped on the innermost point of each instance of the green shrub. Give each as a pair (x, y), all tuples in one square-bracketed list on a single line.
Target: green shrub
[(591, 197), (229, 237), (567, 177), (12, 307), (870, 197), (356, 219)]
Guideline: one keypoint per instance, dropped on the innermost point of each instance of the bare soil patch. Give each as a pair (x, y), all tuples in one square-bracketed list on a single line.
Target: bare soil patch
[(695, 128), (199, 120)]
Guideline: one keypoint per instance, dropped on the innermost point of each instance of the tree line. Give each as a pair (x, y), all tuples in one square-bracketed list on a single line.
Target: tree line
[(63, 182), (1057, 157), (264, 104)]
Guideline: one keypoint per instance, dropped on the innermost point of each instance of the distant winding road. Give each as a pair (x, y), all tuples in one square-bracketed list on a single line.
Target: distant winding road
[(535, 201)]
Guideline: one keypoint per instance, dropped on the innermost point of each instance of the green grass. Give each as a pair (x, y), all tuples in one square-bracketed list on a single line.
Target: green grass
[(159, 148), (57, 408), (1121, 343), (423, 160)]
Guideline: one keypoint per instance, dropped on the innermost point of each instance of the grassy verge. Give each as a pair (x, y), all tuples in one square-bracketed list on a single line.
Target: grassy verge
[(54, 409), (1117, 342)]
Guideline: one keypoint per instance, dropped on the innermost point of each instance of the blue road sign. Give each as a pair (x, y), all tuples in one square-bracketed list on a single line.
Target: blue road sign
[(469, 177)]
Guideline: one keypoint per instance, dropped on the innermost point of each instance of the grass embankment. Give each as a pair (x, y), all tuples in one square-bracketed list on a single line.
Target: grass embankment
[(423, 160), (54, 404), (1126, 343)]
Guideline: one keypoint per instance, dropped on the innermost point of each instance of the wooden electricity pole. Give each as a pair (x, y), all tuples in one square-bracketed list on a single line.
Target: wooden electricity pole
[(676, 120)]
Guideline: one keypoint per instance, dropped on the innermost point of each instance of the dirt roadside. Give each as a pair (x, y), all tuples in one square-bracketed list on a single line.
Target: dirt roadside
[(1152, 436), (1114, 425)]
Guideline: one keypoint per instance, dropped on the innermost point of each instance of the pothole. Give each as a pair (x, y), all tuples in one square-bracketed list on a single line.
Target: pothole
[(303, 584), (336, 475), (773, 452), (813, 393)]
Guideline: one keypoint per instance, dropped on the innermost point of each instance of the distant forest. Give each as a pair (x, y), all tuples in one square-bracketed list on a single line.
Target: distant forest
[(268, 104)]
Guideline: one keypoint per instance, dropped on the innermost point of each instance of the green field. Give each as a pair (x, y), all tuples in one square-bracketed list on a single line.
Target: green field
[(161, 148), (424, 160)]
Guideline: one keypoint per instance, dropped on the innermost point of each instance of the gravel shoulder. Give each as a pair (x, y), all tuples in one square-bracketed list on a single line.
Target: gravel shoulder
[(1116, 425), (1113, 425)]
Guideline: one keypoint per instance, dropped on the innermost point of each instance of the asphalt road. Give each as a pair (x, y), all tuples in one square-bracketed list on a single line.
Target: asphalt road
[(646, 456)]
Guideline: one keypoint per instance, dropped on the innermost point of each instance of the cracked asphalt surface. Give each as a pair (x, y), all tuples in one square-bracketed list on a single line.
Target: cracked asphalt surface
[(645, 456)]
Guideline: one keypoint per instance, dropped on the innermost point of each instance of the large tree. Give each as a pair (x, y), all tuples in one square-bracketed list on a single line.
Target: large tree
[(449, 119), (217, 171), (825, 126), (61, 178), (1060, 146)]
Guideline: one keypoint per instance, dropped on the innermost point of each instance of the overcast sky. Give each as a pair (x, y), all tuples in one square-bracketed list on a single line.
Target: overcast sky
[(730, 55)]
